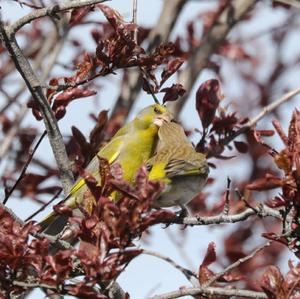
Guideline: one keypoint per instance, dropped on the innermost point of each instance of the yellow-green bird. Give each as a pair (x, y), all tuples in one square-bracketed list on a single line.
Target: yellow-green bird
[(131, 146), (178, 165)]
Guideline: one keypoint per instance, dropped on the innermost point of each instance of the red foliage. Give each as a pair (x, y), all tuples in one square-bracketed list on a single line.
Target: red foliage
[(109, 232)]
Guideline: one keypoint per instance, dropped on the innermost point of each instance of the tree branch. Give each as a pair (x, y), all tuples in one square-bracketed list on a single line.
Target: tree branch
[(190, 276), (212, 292), (253, 121), (234, 11), (293, 3), (271, 107), (50, 11), (235, 264), (36, 90), (31, 153), (160, 33), (262, 211)]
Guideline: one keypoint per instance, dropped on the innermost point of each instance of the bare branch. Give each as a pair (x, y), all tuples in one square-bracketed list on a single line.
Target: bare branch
[(212, 292), (31, 153), (263, 211), (134, 19), (226, 207), (7, 141), (236, 264), (190, 276), (234, 11), (293, 3), (271, 107), (44, 206), (253, 121), (50, 11), (36, 90)]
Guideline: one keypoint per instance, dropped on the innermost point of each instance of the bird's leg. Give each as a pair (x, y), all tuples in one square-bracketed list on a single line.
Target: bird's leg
[(184, 212)]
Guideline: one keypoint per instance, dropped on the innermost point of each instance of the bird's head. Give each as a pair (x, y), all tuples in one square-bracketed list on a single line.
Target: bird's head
[(155, 114)]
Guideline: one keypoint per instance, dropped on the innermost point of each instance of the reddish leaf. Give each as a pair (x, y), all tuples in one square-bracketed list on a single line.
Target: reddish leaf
[(172, 93), (78, 14), (283, 161), (210, 257), (235, 52), (208, 97), (74, 93), (170, 69), (266, 133), (96, 135), (242, 147), (276, 202), (64, 98), (268, 182), (272, 283)]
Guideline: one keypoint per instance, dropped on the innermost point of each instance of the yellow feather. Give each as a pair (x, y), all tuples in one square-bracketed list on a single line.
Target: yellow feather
[(131, 146)]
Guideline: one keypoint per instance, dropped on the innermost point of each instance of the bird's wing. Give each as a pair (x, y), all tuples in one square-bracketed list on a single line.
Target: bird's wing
[(111, 152), (179, 167)]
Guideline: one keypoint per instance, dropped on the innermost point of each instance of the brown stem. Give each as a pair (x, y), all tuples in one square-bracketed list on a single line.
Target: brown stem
[(36, 90)]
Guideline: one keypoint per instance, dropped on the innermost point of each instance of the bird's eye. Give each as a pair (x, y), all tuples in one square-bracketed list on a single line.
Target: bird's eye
[(157, 111)]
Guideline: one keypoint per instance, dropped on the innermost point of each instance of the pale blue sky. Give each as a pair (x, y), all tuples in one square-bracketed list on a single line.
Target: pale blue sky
[(146, 273)]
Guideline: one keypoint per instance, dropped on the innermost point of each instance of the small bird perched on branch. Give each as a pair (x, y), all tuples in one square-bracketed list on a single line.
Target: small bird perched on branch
[(178, 165), (131, 146)]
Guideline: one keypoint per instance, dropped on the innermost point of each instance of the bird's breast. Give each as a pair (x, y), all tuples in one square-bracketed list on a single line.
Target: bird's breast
[(181, 191)]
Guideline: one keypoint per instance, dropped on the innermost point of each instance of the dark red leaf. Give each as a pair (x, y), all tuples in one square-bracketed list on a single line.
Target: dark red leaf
[(242, 147), (172, 93), (235, 52), (208, 97), (272, 283), (276, 202), (210, 257), (170, 69), (78, 14), (266, 133), (268, 182), (74, 93)]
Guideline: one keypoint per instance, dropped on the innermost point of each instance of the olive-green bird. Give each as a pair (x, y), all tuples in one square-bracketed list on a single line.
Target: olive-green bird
[(178, 165), (131, 146)]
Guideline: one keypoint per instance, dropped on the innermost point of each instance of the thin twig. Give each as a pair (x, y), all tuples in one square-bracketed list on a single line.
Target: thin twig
[(247, 204), (293, 3), (253, 121), (44, 206), (36, 90), (22, 174), (146, 78), (271, 107), (263, 211), (231, 14), (211, 292), (47, 47), (181, 250), (186, 272), (226, 207), (50, 11), (235, 264), (7, 141), (134, 20), (27, 4)]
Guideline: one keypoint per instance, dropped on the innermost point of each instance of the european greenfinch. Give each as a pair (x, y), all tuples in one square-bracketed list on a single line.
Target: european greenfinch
[(131, 146), (183, 170)]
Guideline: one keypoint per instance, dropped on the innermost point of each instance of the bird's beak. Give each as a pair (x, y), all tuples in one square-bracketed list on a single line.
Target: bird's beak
[(160, 119)]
